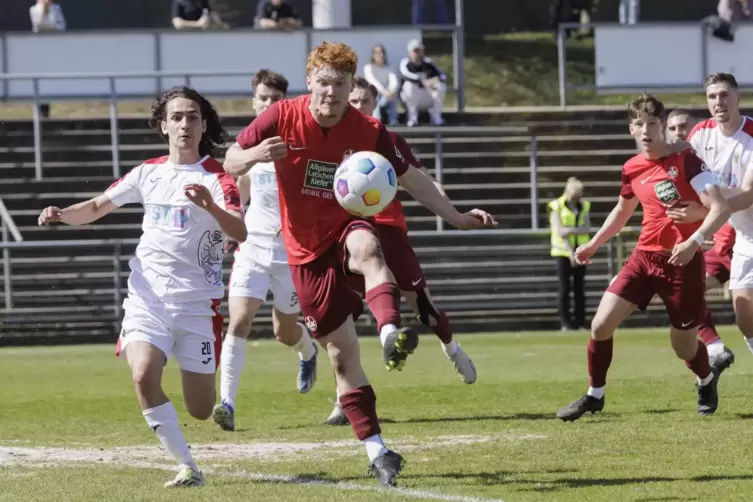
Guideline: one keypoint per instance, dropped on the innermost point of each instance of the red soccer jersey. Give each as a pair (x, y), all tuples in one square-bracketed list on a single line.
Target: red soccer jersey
[(311, 217), (724, 240), (660, 184), (393, 213)]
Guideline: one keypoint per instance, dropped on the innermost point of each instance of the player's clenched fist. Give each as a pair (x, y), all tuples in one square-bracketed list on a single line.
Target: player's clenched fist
[(475, 218), (271, 149), (584, 253), (49, 214), (199, 195)]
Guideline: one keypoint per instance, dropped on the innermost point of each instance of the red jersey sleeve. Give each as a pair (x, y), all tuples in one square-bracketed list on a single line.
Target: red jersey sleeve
[(693, 166), (404, 148), (386, 147), (626, 191), (228, 194), (262, 127)]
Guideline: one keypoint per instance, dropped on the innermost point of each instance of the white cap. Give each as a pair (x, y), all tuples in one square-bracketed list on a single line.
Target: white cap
[(415, 44)]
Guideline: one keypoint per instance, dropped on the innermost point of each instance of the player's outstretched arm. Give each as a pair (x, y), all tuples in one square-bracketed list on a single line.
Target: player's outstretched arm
[(718, 214), (258, 142), (423, 189), (78, 214), (614, 223), (244, 189)]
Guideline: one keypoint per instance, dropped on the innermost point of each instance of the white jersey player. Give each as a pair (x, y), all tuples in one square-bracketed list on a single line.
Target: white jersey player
[(175, 285), (725, 143), (260, 266)]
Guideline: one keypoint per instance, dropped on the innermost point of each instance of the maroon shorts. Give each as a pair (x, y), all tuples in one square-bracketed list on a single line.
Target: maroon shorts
[(325, 294), (682, 289), (400, 259), (717, 266)]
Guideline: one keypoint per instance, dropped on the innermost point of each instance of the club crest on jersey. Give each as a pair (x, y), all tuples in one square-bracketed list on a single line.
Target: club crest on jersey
[(210, 255), (672, 173), (667, 192), (347, 154), (310, 323)]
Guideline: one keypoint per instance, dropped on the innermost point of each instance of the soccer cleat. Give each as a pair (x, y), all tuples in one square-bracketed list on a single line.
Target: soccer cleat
[(386, 468), (224, 415), (579, 407), (307, 373), (722, 361), (398, 346), (463, 365), (187, 476), (337, 417), (708, 397)]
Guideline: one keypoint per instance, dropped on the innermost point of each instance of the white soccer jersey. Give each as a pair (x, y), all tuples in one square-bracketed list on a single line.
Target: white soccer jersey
[(729, 157), (179, 255), (263, 215)]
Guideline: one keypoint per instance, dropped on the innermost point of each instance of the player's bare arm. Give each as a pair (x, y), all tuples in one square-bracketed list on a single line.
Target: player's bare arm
[(239, 161), (244, 188), (423, 189), (718, 214), (436, 183), (744, 199), (614, 223), (78, 214), (230, 222), (687, 212)]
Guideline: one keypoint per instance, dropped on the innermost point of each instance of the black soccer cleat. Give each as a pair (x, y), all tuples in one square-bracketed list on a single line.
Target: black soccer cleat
[(398, 346), (579, 407), (708, 396), (386, 468), (722, 361)]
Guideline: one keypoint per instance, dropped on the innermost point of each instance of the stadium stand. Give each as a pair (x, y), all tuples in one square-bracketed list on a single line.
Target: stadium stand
[(487, 281)]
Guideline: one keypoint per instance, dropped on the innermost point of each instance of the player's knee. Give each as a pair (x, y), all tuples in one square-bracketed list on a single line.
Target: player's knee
[(365, 253), (427, 312), (146, 380), (685, 347), (240, 326), (600, 330), (200, 411)]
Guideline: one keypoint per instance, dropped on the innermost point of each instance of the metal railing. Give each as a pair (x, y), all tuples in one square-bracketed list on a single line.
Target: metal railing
[(7, 225)]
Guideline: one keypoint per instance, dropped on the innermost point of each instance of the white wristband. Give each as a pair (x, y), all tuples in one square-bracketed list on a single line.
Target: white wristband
[(698, 237)]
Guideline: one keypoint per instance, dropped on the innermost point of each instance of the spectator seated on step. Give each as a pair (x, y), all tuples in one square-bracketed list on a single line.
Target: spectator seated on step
[(46, 15), (277, 15), (196, 15), (423, 85), (378, 73)]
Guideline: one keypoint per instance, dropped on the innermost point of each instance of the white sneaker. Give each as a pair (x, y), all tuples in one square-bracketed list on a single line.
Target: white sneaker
[(463, 365), (187, 476), (337, 417)]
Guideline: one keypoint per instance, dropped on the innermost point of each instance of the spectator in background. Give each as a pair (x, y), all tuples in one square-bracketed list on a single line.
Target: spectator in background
[(277, 15), (378, 73), (46, 15), (630, 11), (423, 85), (679, 124), (195, 14), (419, 9), (733, 11), (569, 220)]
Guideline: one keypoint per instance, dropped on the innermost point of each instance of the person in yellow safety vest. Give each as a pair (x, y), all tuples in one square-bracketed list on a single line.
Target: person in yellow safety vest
[(569, 220)]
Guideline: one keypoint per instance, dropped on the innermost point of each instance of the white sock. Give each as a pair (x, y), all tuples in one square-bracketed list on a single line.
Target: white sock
[(164, 421), (749, 341), (706, 380), (374, 447), (715, 348), (305, 347), (597, 392), (232, 360), (386, 330), (450, 348)]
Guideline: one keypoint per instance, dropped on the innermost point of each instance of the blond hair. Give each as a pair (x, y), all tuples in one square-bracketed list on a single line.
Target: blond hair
[(573, 188)]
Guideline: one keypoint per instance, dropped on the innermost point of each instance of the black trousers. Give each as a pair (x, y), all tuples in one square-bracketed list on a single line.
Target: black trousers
[(565, 272)]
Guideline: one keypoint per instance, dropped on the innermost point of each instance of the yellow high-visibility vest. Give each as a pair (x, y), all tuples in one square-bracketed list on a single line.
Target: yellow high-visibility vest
[(568, 219)]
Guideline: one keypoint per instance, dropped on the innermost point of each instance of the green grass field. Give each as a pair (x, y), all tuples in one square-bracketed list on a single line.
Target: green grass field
[(70, 428)]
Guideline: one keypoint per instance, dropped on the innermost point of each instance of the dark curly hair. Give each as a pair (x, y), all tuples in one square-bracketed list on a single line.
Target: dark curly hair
[(214, 136)]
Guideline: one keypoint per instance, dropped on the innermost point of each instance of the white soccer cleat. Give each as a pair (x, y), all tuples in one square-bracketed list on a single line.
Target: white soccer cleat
[(187, 476), (338, 416), (463, 365)]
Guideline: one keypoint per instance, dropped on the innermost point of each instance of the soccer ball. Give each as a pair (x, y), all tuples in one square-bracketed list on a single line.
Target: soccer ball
[(365, 183)]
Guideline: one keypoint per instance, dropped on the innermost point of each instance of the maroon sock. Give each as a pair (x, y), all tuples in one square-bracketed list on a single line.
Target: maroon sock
[(442, 329), (706, 330), (384, 302), (359, 406), (700, 363), (599, 359)]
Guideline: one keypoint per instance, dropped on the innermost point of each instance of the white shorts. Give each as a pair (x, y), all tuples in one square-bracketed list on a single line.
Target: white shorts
[(189, 331), (741, 272), (256, 271)]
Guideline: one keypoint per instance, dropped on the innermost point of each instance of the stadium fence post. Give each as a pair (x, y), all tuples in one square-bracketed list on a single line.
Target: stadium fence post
[(117, 251), (6, 267), (458, 52), (37, 121), (610, 259), (114, 136), (438, 160), (534, 179), (561, 69)]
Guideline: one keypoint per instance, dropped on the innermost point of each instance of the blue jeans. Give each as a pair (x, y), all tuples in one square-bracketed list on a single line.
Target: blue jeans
[(443, 17), (391, 105)]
